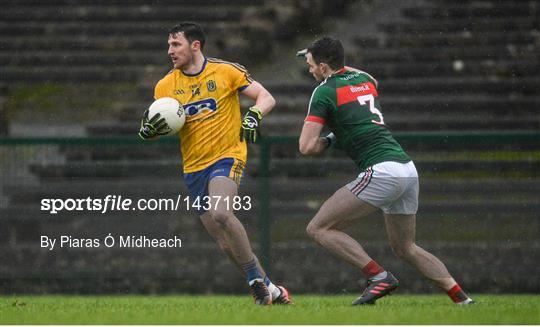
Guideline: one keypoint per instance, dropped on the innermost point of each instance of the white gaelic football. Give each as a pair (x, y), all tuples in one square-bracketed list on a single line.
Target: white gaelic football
[(171, 110)]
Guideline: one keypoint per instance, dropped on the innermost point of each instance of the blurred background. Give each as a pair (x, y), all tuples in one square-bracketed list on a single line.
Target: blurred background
[(458, 85)]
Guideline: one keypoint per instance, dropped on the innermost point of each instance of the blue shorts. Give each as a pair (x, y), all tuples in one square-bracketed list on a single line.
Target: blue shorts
[(197, 182)]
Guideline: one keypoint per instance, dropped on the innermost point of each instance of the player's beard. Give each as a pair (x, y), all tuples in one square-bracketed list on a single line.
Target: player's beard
[(318, 77), (187, 61)]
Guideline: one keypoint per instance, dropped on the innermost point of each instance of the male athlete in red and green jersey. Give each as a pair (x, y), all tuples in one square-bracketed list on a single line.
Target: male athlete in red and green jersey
[(347, 102)]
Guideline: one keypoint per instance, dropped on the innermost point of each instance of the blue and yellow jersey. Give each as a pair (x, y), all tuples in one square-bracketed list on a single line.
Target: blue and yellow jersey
[(212, 106)]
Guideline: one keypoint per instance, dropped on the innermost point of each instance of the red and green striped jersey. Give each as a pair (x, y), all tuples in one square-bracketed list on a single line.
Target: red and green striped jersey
[(347, 102)]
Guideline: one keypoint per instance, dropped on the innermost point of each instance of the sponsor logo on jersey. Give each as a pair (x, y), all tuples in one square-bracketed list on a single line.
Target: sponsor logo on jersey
[(350, 93), (199, 107), (348, 77), (179, 91), (361, 88)]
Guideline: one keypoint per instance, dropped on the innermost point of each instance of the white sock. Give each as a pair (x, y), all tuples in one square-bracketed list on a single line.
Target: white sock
[(379, 276), (274, 290)]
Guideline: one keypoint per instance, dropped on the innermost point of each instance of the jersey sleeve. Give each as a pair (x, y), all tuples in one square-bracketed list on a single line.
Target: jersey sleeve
[(365, 73), (320, 105), (160, 91), (239, 77)]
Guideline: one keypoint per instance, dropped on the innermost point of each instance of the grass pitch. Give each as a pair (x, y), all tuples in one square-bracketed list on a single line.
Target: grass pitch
[(308, 309)]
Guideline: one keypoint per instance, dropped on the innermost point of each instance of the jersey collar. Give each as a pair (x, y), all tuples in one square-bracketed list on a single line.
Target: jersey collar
[(339, 72), (198, 73)]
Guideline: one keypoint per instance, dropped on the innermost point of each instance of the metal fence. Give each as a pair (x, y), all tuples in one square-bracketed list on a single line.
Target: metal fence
[(478, 197)]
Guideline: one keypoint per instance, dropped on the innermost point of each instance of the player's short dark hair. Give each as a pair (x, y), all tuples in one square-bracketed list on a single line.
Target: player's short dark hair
[(328, 50), (192, 32)]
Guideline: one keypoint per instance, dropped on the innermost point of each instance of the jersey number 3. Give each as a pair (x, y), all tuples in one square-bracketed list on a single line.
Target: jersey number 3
[(368, 99)]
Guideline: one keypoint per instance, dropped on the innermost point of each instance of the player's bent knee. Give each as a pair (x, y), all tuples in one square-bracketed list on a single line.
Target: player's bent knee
[(314, 231)]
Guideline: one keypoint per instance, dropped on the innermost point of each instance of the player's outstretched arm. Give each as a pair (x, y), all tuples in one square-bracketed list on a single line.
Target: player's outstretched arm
[(311, 143)]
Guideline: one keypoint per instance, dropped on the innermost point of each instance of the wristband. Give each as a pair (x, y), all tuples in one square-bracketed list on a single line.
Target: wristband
[(331, 139)]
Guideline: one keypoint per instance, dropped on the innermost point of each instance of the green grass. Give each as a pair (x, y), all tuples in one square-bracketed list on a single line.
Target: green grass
[(398, 309)]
